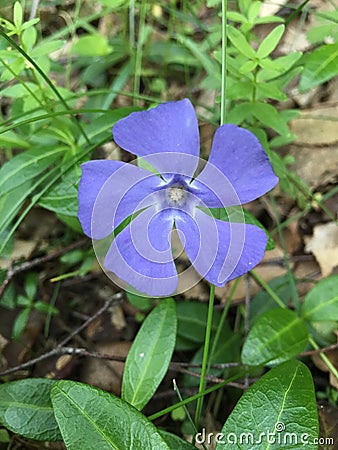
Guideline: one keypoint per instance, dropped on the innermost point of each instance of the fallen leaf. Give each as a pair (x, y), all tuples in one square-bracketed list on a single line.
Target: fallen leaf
[(324, 246), (106, 374)]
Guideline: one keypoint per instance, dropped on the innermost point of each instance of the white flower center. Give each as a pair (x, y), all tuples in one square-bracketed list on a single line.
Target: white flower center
[(176, 196)]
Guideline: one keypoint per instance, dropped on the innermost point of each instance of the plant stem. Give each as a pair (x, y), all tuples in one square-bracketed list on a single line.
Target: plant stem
[(204, 368), (326, 360), (224, 60), (205, 353), (267, 288)]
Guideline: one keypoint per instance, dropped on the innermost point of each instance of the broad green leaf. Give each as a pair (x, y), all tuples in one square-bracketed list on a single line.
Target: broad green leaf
[(321, 303), (319, 66), (174, 442), (26, 409), (270, 42), (91, 45), (149, 357), (10, 204), (62, 197), (27, 165), (191, 324), (278, 412), (240, 43), (276, 336), (90, 418)]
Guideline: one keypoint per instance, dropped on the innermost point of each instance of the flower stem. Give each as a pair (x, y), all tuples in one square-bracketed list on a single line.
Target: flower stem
[(205, 354), (326, 360), (224, 60), (204, 368)]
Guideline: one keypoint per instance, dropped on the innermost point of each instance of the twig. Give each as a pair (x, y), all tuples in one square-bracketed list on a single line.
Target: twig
[(34, 9), (61, 349), (28, 265)]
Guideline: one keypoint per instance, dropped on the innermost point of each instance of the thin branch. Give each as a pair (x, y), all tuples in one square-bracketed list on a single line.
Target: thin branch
[(28, 265)]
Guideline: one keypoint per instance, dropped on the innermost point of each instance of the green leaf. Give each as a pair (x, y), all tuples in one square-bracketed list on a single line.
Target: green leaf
[(20, 323), (140, 302), (17, 15), (62, 197), (91, 45), (191, 323), (90, 418), (276, 336), (176, 443), (278, 412), (270, 117), (270, 42), (207, 62), (240, 43), (321, 303), (263, 302), (319, 66), (149, 357), (26, 409), (26, 166), (31, 284)]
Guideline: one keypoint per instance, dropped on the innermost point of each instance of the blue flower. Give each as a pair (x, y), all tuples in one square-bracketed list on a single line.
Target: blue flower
[(171, 195)]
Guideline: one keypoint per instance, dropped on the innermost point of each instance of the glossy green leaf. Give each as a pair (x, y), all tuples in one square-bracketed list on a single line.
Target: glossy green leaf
[(26, 409), (176, 443), (319, 66), (27, 165), (269, 43), (149, 357), (62, 197), (278, 412), (321, 303), (191, 324), (90, 418), (276, 336)]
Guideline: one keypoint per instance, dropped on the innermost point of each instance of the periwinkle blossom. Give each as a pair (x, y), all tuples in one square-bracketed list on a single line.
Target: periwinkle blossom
[(171, 195)]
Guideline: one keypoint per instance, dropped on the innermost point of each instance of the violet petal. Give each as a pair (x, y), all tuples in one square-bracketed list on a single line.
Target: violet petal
[(94, 175), (128, 190), (219, 250), (141, 254), (238, 154), (170, 127)]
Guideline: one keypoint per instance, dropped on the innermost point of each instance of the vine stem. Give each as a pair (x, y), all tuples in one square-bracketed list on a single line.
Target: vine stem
[(205, 354), (205, 360)]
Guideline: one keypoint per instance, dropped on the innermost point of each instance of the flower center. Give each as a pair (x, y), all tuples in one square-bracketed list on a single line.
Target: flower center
[(176, 195)]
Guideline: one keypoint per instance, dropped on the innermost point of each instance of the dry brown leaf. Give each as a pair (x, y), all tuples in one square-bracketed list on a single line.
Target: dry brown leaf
[(106, 374), (324, 246)]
